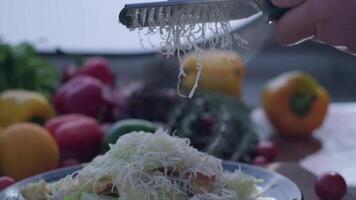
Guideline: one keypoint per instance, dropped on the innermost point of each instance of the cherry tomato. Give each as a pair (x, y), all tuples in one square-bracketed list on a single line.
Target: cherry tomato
[(330, 186), (267, 149), (5, 182)]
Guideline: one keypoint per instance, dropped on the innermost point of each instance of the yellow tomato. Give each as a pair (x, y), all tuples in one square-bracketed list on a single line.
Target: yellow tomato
[(27, 149)]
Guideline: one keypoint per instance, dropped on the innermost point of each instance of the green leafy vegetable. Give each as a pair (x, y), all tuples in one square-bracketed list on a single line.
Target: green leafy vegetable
[(22, 68), (228, 134)]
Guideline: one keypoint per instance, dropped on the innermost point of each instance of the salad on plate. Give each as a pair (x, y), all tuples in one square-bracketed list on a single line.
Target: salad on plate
[(150, 166)]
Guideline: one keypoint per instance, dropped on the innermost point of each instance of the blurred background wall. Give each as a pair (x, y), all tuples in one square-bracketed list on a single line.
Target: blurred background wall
[(67, 29)]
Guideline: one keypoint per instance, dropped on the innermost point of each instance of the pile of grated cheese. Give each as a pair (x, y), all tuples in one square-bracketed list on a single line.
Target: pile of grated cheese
[(155, 166)]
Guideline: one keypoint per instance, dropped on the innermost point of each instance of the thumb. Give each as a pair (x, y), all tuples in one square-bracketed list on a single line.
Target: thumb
[(287, 3)]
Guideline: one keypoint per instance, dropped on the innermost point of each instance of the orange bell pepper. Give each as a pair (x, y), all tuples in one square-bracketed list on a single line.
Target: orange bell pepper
[(295, 103)]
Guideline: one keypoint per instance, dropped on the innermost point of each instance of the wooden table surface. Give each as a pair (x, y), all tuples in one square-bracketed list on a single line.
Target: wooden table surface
[(304, 179), (330, 150)]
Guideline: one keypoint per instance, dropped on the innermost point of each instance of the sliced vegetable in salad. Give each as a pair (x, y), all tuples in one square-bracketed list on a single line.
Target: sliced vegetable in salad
[(150, 166)]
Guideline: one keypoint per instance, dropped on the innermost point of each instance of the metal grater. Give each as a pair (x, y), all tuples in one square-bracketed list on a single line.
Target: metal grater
[(154, 11)]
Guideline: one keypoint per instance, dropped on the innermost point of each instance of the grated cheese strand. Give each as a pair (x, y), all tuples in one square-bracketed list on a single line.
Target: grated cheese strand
[(182, 30)]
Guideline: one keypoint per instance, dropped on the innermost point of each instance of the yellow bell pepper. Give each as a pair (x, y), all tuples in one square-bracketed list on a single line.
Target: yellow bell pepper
[(21, 106), (223, 72)]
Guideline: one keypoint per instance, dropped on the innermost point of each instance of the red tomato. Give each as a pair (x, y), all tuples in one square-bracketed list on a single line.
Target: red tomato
[(5, 182), (98, 67), (80, 139), (77, 136), (330, 186), (53, 124)]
